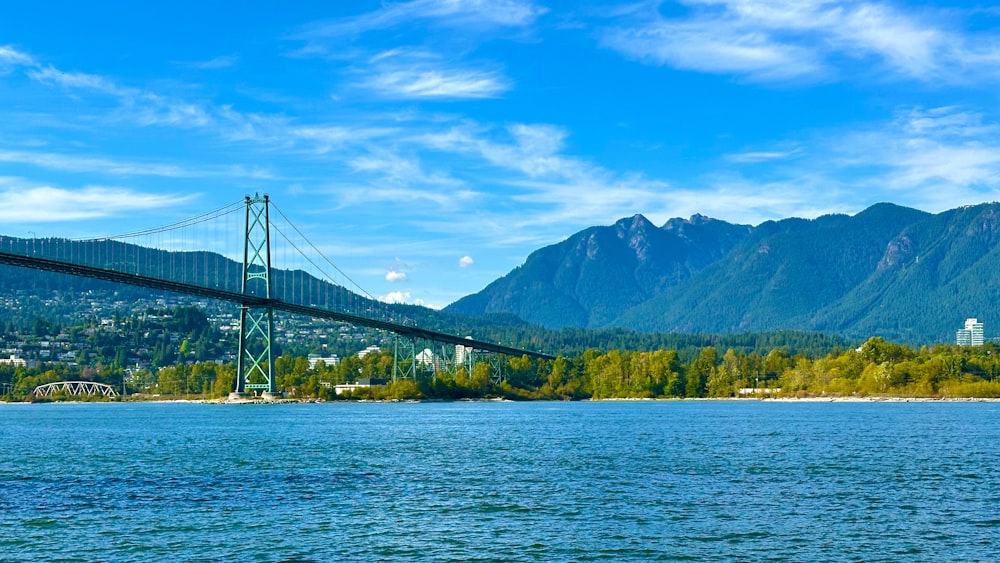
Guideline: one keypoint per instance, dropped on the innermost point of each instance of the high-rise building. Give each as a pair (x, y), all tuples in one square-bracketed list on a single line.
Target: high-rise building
[(971, 335), (463, 353)]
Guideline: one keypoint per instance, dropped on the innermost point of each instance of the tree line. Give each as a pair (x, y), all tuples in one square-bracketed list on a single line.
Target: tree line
[(876, 368)]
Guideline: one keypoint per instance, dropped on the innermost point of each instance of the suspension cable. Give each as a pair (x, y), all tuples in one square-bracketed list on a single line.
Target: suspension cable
[(313, 246), (203, 218)]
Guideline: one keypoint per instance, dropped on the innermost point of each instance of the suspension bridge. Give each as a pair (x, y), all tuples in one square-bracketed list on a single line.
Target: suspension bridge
[(302, 282)]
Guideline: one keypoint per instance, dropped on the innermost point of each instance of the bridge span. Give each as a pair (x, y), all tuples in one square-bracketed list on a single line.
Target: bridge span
[(247, 300), (257, 298)]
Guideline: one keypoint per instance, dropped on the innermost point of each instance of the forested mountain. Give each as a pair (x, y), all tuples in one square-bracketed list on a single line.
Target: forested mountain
[(593, 277), (889, 271)]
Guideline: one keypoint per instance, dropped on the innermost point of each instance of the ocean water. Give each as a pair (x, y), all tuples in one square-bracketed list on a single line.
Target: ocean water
[(621, 481)]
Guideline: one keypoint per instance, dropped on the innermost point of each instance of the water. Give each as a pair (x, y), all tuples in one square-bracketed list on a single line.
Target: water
[(632, 481)]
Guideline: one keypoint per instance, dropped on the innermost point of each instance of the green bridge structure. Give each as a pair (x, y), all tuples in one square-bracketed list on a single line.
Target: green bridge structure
[(114, 259)]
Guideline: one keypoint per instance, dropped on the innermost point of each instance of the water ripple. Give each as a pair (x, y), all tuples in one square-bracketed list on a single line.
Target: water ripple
[(670, 481)]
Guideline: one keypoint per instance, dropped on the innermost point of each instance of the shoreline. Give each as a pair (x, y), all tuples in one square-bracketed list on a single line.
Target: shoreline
[(500, 400)]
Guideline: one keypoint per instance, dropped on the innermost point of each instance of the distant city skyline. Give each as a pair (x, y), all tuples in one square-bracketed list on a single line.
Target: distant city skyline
[(427, 147)]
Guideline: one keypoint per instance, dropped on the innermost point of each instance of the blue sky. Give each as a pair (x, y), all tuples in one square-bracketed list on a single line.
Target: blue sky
[(427, 147)]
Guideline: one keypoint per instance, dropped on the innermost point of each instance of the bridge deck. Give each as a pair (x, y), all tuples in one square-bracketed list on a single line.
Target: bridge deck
[(37, 263)]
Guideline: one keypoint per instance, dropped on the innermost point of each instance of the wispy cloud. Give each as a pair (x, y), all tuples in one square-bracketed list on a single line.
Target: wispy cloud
[(810, 39), (141, 107), (707, 45), (222, 61), (427, 65), (114, 167), (533, 149), (422, 74), (546, 190), (435, 82), (35, 204), (931, 159), (151, 109), (465, 261), (79, 80), (937, 158), (323, 138), (145, 108), (371, 193), (451, 13), (12, 57), (390, 168), (761, 156), (74, 163)]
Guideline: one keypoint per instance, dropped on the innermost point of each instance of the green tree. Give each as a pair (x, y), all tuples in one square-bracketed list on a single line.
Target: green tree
[(699, 371)]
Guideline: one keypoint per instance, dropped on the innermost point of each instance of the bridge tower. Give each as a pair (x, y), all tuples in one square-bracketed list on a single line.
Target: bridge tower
[(255, 363)]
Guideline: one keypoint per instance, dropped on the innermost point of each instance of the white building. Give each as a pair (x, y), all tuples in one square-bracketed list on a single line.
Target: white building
[(13, 361), (329, 361), (373, 349), (462, 353), (971, 335), (426, 358)]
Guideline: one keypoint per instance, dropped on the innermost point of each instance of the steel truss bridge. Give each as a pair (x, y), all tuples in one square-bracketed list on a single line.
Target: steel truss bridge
[(255, 363), (75, 388)]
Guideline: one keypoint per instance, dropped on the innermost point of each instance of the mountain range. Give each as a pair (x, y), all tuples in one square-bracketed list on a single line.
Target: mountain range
[(890, 271)]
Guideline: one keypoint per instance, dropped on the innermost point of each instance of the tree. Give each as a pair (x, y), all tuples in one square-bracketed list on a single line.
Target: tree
[(699, 371), (722, 380)]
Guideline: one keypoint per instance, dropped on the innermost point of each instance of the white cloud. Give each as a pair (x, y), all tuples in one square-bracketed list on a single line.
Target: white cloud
[(507, 13), (328, 137), (144, 108), (80, 163), (151, 109), (707, 46), (761, 156), (75, 163), (11, 56), (547, 188), (366, 195), (28, 204), (933, 153), (394, 177), (452, 13), (438, 82), (465, 262), (79, 80), (404, 297), (530, 149), (780, 40), (422, 74), (931, 159), (223, 61), (394, 276), (396, 297)]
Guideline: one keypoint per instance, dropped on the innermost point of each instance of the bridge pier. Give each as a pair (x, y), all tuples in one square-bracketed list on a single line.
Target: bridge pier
[(404, 362), (236, 396)]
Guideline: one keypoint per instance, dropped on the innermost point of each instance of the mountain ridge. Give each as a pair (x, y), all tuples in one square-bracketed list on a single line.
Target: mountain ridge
[(888, 271)]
